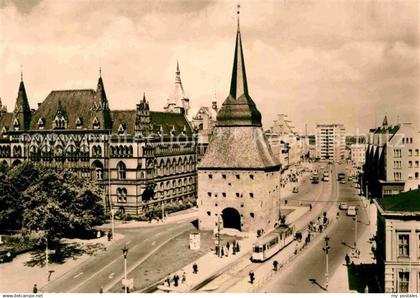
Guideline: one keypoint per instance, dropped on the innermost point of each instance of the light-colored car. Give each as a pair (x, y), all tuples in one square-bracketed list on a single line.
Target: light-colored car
[(343, 181), (351, 211), (350, 179), (326, 179), (344, 206)]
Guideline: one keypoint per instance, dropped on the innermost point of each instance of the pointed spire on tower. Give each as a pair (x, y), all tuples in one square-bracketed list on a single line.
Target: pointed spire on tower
[(22, 109), (385, 122), (238, 109), (239, 84)]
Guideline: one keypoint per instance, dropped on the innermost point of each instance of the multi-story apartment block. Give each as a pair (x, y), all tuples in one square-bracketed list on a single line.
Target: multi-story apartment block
[(392, 159), (398, 242), (330, 142), (142, 158)]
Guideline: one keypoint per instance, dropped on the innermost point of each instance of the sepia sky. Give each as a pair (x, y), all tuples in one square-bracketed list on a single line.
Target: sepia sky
[(339, 61)]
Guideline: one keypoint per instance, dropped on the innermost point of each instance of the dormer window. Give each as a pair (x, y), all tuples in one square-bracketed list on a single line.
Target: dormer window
[(121, 130), (16, 124), (95, 123), (59, 121), (78, 123), (40, 123)]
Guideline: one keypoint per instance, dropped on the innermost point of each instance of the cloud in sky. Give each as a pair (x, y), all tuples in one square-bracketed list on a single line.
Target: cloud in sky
[(316, 61)]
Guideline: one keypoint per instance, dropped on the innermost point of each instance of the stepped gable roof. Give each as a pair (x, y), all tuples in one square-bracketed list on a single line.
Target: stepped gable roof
[(73, 103), (5, 120), (238, 109), (239, 148), (405, 202), (166, 120)]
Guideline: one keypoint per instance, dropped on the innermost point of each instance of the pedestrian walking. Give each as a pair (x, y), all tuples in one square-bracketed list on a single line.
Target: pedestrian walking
[(228, 245), (275, 265), (237, 247), (109, 235), (195, 268), (35, 289), (184, 277), (251, 277), (347, 259), (176, 280), (222, 252), (168, 281)]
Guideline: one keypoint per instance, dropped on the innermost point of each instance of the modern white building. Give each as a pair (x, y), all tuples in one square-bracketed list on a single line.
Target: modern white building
[(330, 141)]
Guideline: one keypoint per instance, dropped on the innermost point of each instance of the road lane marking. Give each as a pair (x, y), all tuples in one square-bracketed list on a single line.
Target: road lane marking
[(107, 288), (77, 275)]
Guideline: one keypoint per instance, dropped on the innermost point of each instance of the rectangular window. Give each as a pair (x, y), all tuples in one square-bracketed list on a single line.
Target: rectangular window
[(210, 176), (223, 176), (403, 245), (238, 177), (410, 152), (251, 195), (209, 194), (410, 164), (417, 152), (403, 278), (416, 163)]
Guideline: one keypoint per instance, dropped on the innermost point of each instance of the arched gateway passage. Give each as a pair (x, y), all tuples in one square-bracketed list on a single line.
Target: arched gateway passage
[(231, 218)]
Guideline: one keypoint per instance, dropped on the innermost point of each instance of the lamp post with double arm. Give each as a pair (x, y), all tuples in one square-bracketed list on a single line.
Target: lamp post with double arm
[(326, 248), (125, 253)]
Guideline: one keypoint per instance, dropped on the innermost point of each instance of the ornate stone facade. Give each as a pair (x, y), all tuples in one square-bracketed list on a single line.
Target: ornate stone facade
[(141, 157)]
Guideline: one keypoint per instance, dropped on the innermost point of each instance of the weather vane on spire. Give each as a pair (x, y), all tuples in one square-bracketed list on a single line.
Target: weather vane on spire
[(21, 73), (238, 11), (100, 72)]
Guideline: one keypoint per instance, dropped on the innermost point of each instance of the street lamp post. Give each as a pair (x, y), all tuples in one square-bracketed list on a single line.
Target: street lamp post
[(355, 230), (46, 258), (326, 248), (125, 252)]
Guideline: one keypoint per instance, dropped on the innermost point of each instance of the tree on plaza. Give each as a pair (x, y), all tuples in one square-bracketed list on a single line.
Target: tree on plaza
[(61, 204), (13, 182)]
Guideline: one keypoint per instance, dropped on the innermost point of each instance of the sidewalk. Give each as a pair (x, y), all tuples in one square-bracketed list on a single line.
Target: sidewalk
[(208, 266), (17, 278), (191, 213)]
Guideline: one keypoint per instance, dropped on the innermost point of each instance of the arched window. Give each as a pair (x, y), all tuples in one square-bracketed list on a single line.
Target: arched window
[(99, 170), (122, 170), (121, 195), (17, 151)]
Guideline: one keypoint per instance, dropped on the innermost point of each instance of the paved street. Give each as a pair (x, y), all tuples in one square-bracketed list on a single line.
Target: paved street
[(107, 268), (307, 272), (322, 196)]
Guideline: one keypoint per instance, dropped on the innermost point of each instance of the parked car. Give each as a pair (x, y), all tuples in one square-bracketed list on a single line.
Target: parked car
[(6, 256), (326, 179), (344, 206), (295, 189), (343, 181), (350, 179), (351, 211)]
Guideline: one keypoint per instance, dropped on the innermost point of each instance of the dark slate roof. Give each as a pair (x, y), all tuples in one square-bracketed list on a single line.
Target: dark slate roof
[(406, 201), (165, 119), (5, 120), (238, 109), (73, 103), (239, 148)]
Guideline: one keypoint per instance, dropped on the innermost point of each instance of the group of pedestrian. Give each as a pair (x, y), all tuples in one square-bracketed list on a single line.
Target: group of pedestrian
[(174, 280), (225, 250)]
